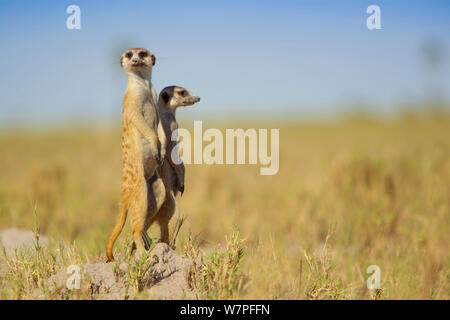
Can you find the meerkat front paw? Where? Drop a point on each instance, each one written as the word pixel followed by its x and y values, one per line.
pixel 156 155
pixel 181 189
pixel 163 154
pixel 161 159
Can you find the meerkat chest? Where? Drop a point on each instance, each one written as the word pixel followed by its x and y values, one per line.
pixel 173 125
pixel 151 118
pixel 173 130
pixel 170 125
pixel 150 115
pixel 149 108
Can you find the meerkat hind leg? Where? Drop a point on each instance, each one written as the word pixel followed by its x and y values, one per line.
pixel 147 244
pixel 157 193
pixel 156 197
pixel 138 213
pixel 164 216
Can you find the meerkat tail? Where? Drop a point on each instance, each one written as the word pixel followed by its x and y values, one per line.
pixel 122 216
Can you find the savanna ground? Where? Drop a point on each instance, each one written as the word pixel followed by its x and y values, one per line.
pixel 350 193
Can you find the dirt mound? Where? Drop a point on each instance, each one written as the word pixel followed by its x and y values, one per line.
pixel 14 238
pixel 170 277
pixel 99 281
pixel 164 278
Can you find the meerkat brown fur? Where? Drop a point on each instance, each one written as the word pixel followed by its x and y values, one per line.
pixel 143 148
pixel 172 172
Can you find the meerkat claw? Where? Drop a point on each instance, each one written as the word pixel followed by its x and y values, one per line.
pixel 181 189
pixel 156 156
pixel 147 241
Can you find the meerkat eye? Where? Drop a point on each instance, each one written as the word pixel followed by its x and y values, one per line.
pixel 183 93
pixel 129 54
pixel 142 54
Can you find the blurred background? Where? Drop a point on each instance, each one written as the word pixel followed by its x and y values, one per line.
pixel 284 60
pixel 364 133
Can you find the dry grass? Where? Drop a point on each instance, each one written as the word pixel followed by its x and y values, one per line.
pixel 382 185
pixel 217 275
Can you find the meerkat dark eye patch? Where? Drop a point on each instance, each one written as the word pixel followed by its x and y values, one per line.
pixel 129 54
pixel 182 93
pixel 165 97
pixel 143 54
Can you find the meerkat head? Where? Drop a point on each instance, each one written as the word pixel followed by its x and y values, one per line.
pixel 137 60
pixel 175 96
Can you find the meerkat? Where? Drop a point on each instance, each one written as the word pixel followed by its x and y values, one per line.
pixel 144 148
pixel 172 174
pixel 169 100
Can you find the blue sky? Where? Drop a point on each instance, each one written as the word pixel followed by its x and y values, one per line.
pixel 240 57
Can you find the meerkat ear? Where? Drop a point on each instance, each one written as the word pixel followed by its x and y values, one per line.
pixel 153 59
pixel 165 97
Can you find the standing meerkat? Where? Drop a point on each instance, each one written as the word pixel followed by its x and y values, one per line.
pixel 143 148
pixel 170 98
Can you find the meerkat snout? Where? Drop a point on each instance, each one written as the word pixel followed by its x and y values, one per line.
pixel 135 61
pixel 190 100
